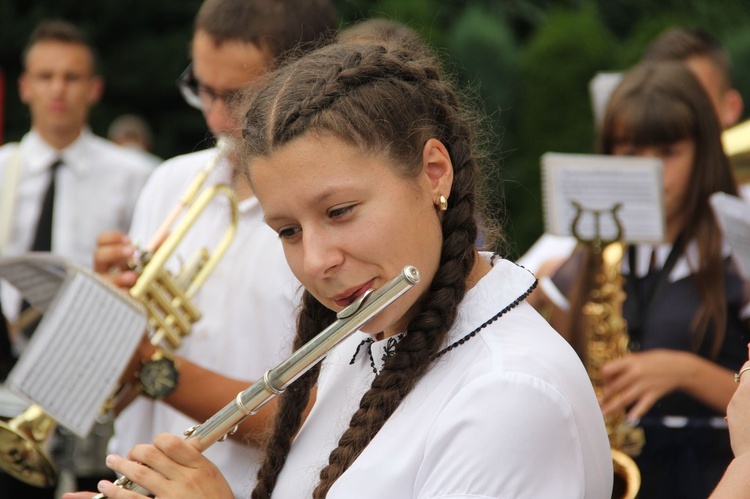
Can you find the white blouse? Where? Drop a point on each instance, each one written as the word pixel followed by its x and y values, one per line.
pixel 508 413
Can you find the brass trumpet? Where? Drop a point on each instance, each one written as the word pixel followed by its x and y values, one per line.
pixel 276 380
pixel 736 143
pixel 24 440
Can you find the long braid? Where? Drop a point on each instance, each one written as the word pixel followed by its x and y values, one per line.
pixel 401 372
pixel 426 332
pixel 381 100
pixel 312 319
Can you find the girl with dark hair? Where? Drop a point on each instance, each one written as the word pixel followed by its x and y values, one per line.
pixel 364 162
pixel 685 299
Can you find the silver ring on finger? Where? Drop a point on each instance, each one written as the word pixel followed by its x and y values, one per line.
pixel 738 375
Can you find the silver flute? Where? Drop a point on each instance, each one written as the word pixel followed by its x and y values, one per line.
pixel 276 380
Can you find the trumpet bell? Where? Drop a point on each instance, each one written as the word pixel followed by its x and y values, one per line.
pixel 736 142
pixel 22 451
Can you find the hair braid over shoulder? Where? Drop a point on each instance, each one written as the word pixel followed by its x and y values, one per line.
pixel 312 319
pixel 425 335
pixel 378 99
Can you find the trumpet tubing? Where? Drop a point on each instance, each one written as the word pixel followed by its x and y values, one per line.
pixel 736 143
pixel 167 299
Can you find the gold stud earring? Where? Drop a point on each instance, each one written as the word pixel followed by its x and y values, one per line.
pixel 443 203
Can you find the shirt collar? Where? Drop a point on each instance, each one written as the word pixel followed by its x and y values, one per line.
pixel 506 285
pixel 686 264
pixel 38 155
pixel 222 174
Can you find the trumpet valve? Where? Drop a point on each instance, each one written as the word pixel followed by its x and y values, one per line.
pixel 191 269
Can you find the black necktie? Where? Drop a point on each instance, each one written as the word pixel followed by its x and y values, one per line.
pixel 43 236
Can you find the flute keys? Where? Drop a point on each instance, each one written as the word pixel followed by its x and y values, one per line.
pixel 228 434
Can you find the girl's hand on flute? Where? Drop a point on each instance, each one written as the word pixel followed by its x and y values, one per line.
pixel 170 468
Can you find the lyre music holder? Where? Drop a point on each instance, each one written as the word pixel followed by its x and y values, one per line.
pixel 596 242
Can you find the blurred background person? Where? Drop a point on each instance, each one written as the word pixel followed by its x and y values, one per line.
pixel 709 62
pixel 686 304
pixel 61 186
pixel 132 131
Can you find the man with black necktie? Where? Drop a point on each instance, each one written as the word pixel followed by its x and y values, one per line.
pixel 61 185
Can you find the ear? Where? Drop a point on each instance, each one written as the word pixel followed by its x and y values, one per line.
pixel 96 90
pixel 438 168
pixel 732 108
pixel 24 90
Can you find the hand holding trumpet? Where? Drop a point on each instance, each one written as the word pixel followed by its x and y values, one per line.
pixel 112 257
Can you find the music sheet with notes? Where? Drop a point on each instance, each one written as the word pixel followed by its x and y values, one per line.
pixel 733 214
pixel 588 190
pixel 82 344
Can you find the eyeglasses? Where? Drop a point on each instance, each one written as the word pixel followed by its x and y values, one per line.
pixel 202 97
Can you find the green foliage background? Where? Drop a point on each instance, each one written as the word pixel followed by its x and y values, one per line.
pixel 527 62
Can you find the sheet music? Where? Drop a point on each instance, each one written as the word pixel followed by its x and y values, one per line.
pixel 37 278
pixel 81 346
pixel 599 183
pixel 733 214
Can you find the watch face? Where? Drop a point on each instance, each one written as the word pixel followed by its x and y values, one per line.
pixel 158 378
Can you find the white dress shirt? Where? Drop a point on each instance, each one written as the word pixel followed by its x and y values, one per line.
pixel 509 413
pixel 247 304
pixel 96 189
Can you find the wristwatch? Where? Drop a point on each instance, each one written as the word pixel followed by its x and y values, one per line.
pixel 158 376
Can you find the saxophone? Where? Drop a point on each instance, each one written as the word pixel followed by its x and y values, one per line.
pixel 606 338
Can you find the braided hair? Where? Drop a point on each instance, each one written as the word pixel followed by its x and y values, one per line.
pixel 376 98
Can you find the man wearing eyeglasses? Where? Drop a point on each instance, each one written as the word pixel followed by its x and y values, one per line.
pixel 248 302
